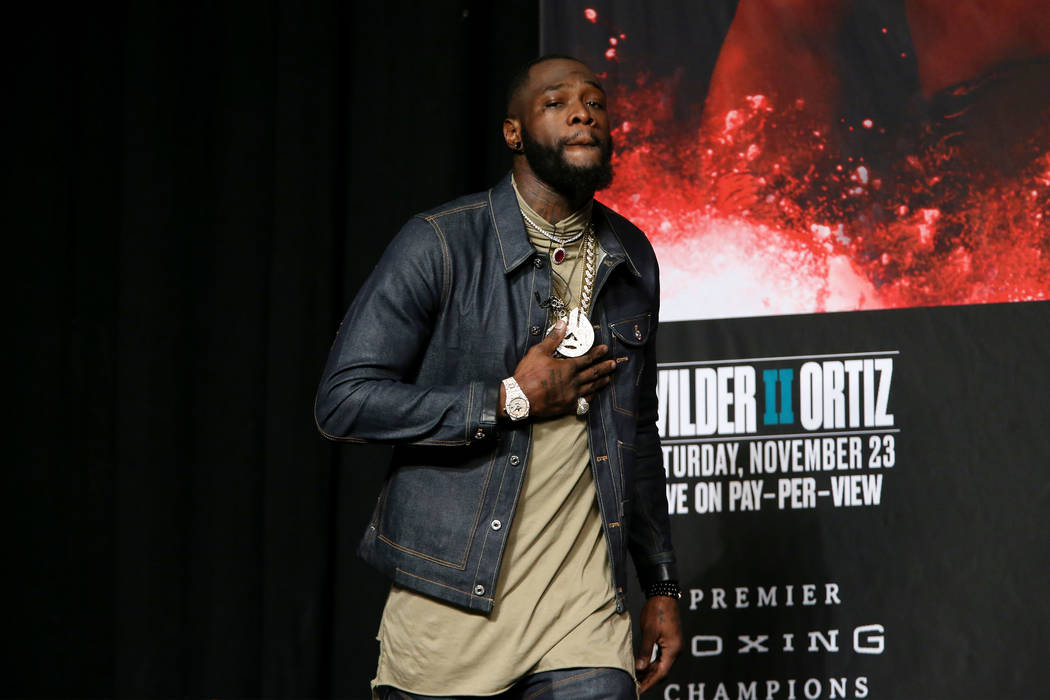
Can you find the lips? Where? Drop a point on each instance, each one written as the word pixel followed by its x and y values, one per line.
pixel 582 140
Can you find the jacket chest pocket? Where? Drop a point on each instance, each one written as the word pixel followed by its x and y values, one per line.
pixel 629 338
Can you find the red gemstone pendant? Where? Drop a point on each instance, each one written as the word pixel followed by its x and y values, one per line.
pixel 558 256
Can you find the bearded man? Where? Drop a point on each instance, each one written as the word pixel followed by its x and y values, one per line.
pixel 505 345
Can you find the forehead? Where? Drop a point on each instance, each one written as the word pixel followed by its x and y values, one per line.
pixel 560 73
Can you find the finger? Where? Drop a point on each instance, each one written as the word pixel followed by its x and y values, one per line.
pixel 645 677
pixel 602 369
pixel 589 389
pixel 645 653
pixel 669 648
pixel 597 353
pixel 591 356
pixel 657 670
pixel 645 681
pixel 594 373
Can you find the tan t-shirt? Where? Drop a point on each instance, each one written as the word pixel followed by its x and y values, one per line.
pixel 555 606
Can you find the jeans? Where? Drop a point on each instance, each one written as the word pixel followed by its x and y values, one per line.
pixel 567 684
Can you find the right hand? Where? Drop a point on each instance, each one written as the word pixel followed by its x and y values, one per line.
pixel 553 384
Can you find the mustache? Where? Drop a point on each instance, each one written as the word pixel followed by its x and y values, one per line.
pixel 581 139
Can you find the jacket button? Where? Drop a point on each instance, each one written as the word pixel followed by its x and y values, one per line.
pixel 514 460
pixel 535 330
pixel 480 590
pixel 537 262
pixel 479 435
pixel 496 524
pixel 619 604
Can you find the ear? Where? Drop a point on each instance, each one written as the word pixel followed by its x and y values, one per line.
pixel 512 134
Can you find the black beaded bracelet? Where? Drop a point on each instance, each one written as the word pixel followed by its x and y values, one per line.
pixel 667 588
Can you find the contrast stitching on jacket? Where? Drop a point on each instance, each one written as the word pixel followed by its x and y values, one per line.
pixel 514 505
pixel 612 228
pixel 637 350
pixel 488 531
pixel 616 405
pixel 470 413
pixel 499 234
pixel 532 298
pixel 620 444
pixel 446 262
pixel 337 438
pixel 373 524
pixel 597 483
pixel 614 327
pixel 421 555
pixel 438 583
pixel 454 210
pixel 462 564
pixel 477 511
pixel 508 265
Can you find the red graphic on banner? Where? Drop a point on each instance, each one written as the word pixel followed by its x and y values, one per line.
pixel 764 214
pixel 838 235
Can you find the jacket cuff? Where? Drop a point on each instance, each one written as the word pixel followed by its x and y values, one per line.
pixel 656 573
pixel 485 411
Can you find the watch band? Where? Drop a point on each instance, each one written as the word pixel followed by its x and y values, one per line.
pixel 517 403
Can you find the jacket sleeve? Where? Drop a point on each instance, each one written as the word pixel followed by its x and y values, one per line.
pixel 367 391
pixel 650 529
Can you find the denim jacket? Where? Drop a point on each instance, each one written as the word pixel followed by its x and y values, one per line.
pixel 448 312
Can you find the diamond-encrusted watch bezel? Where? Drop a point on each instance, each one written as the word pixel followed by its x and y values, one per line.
pixel 518 408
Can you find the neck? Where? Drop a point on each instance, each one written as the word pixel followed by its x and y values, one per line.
pixel 552 205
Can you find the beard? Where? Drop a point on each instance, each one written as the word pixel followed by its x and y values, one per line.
pixel 549 164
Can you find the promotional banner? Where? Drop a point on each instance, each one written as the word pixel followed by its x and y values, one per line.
pixel 849 203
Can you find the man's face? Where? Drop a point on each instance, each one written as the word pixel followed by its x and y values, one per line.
pixel 565 127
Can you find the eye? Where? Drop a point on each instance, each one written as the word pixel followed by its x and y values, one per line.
pixel 553 103
pixel 597 104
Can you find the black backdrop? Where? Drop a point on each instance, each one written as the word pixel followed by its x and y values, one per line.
pixel 193 194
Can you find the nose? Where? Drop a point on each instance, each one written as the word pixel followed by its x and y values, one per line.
pixel 580 114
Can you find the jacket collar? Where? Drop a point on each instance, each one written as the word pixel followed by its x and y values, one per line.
pixel 514 241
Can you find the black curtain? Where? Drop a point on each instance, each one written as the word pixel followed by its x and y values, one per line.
pixel 193 194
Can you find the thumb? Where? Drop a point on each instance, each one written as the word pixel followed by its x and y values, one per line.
pixel 554 338
pixel 645 653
